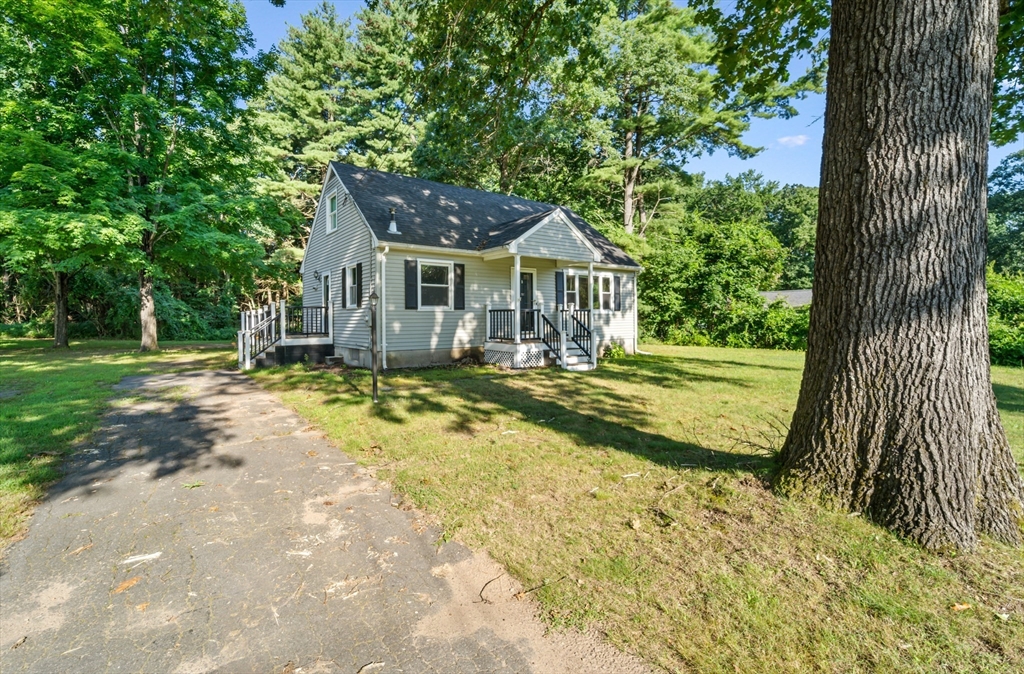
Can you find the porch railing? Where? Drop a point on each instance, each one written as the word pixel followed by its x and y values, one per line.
pixel 277 323
pixel 581 315
pixel 529 323
pixel 306 321
pixel 502 324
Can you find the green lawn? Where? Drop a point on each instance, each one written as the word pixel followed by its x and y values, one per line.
pixel 635 495
pixel 50 400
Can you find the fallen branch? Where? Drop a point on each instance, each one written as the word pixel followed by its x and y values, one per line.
pixel 484 599
pixel 522 594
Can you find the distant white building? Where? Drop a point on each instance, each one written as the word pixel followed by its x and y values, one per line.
pixel 794 298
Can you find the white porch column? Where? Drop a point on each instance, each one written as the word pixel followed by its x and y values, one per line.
pixel 515 300
pixel 487 321
pixel 284 321
pixel 274 328
pixel 593 325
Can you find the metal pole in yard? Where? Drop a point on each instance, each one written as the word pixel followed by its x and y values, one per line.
pixel 374 298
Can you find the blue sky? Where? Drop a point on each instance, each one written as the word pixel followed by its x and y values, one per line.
pixel 792 147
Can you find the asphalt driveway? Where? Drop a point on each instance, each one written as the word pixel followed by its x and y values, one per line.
pixel 206 528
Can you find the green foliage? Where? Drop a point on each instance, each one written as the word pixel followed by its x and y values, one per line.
pixel 1008 98
pixel 1006 214
pixel 126 141
pixel 486 82
pixel 1006 317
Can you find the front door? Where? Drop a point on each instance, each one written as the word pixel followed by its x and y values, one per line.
pixel 526 302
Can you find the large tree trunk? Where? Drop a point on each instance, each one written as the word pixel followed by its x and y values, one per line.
pixel 60 310
pixel 896 416
pixel 147 306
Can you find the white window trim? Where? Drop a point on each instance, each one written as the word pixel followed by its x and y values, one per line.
pixel 611 291
pixel 333 195
pixel 580 273
pixel 419 283
pixel 351 287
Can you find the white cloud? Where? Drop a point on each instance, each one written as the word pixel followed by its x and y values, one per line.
pixel 793 141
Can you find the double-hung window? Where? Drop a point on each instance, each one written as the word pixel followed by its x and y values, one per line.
pixel 435 284
pixel 577 291
pixel 603 292
pixel 332 213
pixel 352 286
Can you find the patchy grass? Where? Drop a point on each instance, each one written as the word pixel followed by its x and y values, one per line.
pixel 51 400
pixel 634 496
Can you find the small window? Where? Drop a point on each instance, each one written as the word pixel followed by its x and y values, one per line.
pixel 353 286
pixel 603 292
pixel 435 284
pixel 571 293
pixel 332 213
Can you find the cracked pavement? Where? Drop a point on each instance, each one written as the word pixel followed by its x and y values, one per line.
pixel 206 528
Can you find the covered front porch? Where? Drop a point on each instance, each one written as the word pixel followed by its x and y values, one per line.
pixel 536 328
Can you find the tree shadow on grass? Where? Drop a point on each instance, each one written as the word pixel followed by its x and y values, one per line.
pixel 581 407
pixel 1009 398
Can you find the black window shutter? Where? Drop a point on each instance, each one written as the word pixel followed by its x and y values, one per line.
pixel 460 286
pixel 344 287
pixel 618 293
pixel 359 284
pixel 560 288
pixel 411 300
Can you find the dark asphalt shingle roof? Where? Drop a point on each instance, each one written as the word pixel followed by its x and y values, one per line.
pixel 434 214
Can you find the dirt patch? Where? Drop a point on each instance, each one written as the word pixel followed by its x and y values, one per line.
pixel 484 597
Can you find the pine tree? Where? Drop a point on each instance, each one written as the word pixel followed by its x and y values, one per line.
pixel 384 126
pixel 303 108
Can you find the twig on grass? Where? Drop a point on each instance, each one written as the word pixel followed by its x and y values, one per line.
pixel 520 595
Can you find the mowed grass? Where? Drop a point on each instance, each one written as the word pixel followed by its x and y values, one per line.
pixel 51 400
pixel 633 498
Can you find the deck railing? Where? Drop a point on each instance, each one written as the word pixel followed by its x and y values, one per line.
pixel 276 323
pixel 306 321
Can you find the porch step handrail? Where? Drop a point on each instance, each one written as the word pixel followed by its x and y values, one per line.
pixel 550 335
pixel 581 336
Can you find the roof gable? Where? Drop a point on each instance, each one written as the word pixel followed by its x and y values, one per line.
pixel 428 213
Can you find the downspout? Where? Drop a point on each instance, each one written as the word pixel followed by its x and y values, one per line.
pixel 383 309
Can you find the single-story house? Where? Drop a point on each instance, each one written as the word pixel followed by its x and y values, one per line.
pixel 461 273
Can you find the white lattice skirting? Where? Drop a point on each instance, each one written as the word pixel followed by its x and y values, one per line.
pixel 529 356
pixel 532 359
pixel 505 358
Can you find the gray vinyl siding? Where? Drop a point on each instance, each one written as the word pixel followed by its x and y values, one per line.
pixel 555 240
pixel 329 253
pixel 617 326
pixel 486 281
pixel 443 329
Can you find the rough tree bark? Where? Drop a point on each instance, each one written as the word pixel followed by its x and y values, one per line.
pixel 896 417
pixel 60 310
pixel 147 306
